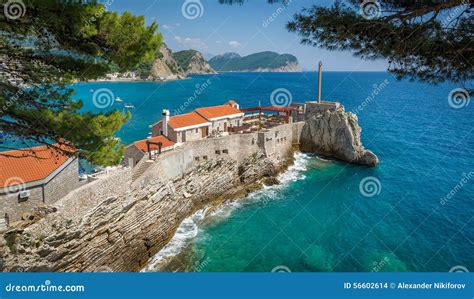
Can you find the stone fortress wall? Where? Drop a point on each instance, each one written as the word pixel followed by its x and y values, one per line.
pixel 275 143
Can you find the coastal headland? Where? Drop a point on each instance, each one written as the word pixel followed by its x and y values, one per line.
pixel 120 221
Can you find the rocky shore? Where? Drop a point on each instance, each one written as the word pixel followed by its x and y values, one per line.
pixel 335 134
pixel 121 233
pixel 119 224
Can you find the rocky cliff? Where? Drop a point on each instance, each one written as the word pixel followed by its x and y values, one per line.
pixel 334 133
pixel 165 66
pixel 121 232
pixel 193 62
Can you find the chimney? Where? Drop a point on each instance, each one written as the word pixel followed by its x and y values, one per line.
pixel 166 119
pixel 320 78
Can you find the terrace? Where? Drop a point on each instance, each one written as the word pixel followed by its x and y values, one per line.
pixel 262 118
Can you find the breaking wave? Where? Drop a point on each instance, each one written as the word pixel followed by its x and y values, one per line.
pixel 189 228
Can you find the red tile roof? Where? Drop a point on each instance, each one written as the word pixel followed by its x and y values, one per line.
pixel 186 120
pixel 217 111
pixel 141 144
pixel 29 165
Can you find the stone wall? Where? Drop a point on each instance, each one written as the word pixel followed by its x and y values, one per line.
pixel 15 207
pixel 134 153
pixel 191 135
pixel 54 188
pixel 297 128
pixel 64 182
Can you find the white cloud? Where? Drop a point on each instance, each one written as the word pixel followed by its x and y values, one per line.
pixel 166 26
pixel 218 42
pixel 193 43
pixel 234 44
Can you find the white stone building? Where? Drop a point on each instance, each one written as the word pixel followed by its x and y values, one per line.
pixel 201 123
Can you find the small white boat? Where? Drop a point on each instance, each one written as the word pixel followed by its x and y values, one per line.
pixel 118 100
pixel 129 106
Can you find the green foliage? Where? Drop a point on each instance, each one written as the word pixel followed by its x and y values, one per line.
pixel 183 58
pixel 233 62
pixel 54 44
pixel 430 41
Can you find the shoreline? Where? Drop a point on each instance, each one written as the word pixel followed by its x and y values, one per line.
pixel 178 248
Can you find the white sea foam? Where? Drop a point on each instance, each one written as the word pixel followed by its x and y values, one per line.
pixel 187 231
pixel 189 228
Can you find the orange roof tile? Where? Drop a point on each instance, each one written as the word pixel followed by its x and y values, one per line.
pixel 186 120
pixel 217 111
pixel 30 164
pixel 141 144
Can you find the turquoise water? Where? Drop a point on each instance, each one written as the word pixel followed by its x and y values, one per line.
pixel 318 220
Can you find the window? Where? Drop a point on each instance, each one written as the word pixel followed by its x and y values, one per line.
pixel 204 157
pixel 197 131
pixel 225 151
pixel 218 152
pixel 196 159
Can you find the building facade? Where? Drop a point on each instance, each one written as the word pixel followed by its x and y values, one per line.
pixel 137 150
pixel 199 124
pixel 34 177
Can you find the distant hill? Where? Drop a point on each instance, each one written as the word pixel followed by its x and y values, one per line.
pixel 193 62
pixel 258 62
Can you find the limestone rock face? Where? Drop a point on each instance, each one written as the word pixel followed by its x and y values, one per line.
pixel 336 134
pixel 165 66
pixel 123 231
pixel 199 65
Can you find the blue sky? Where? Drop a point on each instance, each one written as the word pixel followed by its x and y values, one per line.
pixel 214 28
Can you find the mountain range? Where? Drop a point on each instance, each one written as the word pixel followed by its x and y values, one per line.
pixel 175 66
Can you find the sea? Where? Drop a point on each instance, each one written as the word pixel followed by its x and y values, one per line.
pixel 413 212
